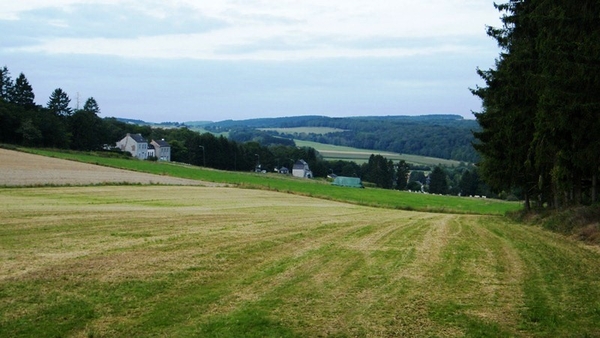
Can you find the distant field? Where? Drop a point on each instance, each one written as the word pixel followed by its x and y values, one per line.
pixel 305 130
pixel 332 152
pixel 166 261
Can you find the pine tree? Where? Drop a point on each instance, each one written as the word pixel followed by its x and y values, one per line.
pixel 59 103
pixel 438 183
pixel 509 105
pixel 6 84
pixel 92 106
pixel 541 102
pixel 402 175
pixel 22 92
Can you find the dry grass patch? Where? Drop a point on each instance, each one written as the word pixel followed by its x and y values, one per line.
pixel 23 169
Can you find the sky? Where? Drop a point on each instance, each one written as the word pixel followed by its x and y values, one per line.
pixel 214 60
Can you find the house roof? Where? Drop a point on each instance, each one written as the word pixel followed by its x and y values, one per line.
pixel 137 138
pixel 162 143
pixel 300 164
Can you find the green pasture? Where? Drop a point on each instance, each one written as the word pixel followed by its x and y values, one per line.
pixel 315 188
pixel 172 261
pixel 333 153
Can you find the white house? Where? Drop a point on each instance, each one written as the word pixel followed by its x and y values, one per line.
pixel 135 144
pixel 301 169
pixel 162 150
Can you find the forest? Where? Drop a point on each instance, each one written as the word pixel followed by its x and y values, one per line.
pixel 540 123
pixel 441 136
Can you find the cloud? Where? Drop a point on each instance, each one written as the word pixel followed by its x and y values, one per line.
pixel 210 60
pixel 248 30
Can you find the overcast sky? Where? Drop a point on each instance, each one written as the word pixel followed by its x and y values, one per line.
pixel 212 60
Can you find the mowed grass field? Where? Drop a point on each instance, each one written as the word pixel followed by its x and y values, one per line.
pixel 274 261
pixel 139 261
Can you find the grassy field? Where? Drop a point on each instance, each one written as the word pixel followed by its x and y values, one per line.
pixel 332 153
pixel 314 188
pixel 141 261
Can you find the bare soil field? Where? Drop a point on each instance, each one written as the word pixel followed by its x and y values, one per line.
pixel 22 169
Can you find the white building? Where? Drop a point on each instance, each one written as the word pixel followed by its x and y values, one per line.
pixel 301 169
pixel 162 150
pixel 134 144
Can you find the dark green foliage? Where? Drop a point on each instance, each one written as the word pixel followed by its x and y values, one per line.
pixel 438 183
pixel 22 92
pixel 246 135
pixel 469 183
pixel 380 171
pixel 402 173
pixel 86 130
pixel 443 136
pixel 30 134
pixel 59 102
pixel 541 102
pixel 92 106
pixel 6 84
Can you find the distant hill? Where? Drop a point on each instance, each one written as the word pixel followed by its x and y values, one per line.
pixel 442 136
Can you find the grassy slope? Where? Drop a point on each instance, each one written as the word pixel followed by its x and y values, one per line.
pixel 221 262
pixel 370 197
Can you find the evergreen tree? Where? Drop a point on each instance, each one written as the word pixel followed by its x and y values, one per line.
pixel 87 129
pixel 438 183
pixel 569 97
pixel 510 105
pixel 22 92
pixel 59 102
pixel 380 171
pixel 6 84
pixel 542 100
pixel 402 175
pixel 91 106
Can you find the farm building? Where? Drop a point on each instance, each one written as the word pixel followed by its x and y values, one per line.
pixel 344 181
pixel 301 169
pixel 138 146
pixel 162 150
pixel 135 144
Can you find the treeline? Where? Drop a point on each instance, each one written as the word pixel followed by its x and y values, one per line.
pixel 541 117
pixel 57 125
pixel 442 136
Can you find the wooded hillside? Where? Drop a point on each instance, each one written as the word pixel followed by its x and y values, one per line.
pixel 442 136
